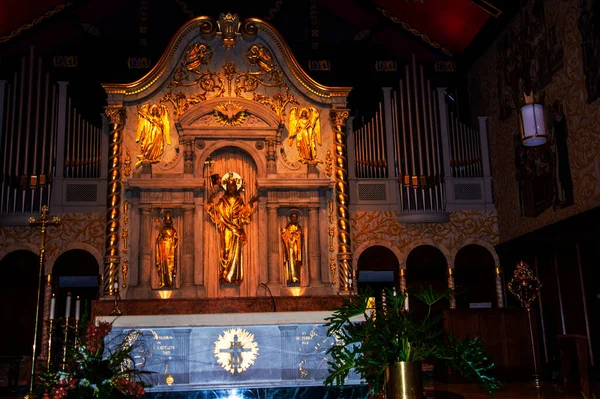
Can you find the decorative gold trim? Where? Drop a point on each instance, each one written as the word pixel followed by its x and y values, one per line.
pixel 206 26
pixel 35 21
pixel 116 119
pixel 127 163
pixel 338 120
pixel 332 268
pixel 414 32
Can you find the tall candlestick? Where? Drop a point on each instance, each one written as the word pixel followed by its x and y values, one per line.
pixel 68 307
pixel 77 308
pixel 52 306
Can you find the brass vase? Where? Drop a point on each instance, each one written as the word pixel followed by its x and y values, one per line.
pixel 404 380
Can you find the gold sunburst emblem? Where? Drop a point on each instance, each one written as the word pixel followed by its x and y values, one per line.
pixel 236 350
pixel 230 114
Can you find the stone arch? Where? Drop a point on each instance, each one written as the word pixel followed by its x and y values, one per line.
pixel 367 244
pixel 78 245
pixel 426 241
pixel 18 247
pixel 259 156
pixel 479 242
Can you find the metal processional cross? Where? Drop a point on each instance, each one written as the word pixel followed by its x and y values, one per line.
pixel 43 222
pixel 235 351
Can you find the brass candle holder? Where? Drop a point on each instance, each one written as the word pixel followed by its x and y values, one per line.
pixel 526 287
pixel 116 311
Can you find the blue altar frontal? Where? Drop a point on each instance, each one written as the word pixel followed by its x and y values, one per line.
pixel 226 351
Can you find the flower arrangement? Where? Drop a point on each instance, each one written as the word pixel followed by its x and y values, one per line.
pixel 95 370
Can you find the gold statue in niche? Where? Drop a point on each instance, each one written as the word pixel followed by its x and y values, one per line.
pixel 305 127
pixel 292 243
pixel 230 215
pixel 166 253
pixel 153 132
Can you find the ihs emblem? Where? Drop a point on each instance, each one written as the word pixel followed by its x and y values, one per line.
pixel 236 350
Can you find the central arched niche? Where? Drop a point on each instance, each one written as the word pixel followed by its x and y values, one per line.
pixel 378 269
pixel 220 162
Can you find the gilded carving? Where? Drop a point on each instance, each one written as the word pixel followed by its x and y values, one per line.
pixel 181 102
pixel 166 260
pixel 332 268
pixel 127 163
pixel 331 238
pixel 229 26
pixel 153 132
pixel 292 237
pixel 328 164
pixel 230 114
pixel 116 119
pixel 338 120
pixel 305 127
pixel 126 207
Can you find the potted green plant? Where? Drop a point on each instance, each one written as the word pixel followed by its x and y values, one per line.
pixel 389 343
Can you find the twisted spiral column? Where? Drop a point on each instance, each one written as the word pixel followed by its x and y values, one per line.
pixel 116 120
pixel 338 120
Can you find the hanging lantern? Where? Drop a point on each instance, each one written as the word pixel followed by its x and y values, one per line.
pixel 533 123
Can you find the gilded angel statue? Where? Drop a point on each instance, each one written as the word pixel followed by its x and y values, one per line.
pixel 153 132
pixel 305 127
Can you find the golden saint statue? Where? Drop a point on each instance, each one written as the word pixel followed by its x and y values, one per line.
pixel 230 215
pixel 292 242
pixel 166 253
pixel 305 127
pixel 153 132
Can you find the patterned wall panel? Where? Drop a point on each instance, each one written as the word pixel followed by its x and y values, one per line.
pixel 488 81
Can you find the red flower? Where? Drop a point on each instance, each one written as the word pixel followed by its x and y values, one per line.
pixel 129 387
pixel 94 335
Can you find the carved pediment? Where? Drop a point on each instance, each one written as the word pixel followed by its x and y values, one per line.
pixel 223 114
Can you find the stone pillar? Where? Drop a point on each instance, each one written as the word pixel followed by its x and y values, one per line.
pixel 145 251
pixel 499 288
pixel 188 158
pixel 314 253
pixel 273 247
pixel 451 286
pixel 271 157
pixel 187 250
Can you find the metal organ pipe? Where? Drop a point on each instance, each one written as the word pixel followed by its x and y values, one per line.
pixel 34 172
pixel 410 136
pixel 438 147
pixel 45 133
pixel 384 160
pixel 425 138
pixel 10 98
pixel 419 131
pixel 432 131
pixel 53 139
